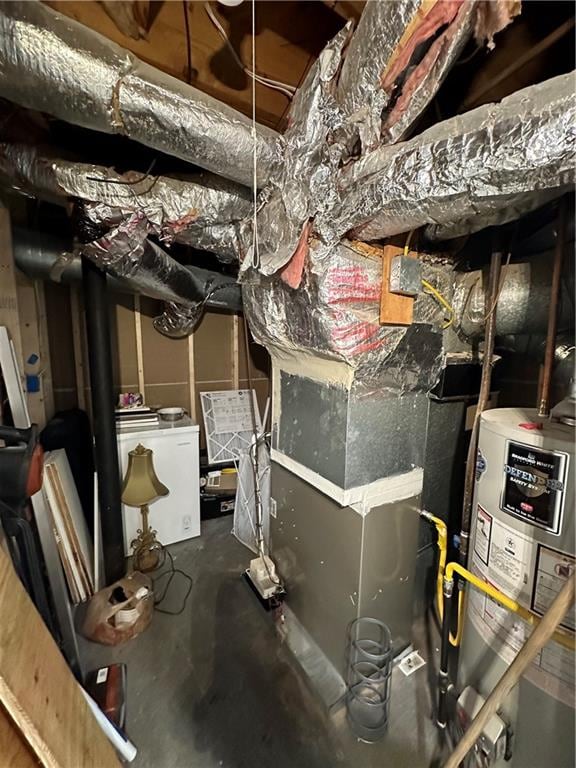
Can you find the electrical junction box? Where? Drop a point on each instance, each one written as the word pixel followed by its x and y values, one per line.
pixel 492 742
pixel 405 275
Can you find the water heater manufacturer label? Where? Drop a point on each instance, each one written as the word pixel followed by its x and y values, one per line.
pixel 552 569
pixel 534 484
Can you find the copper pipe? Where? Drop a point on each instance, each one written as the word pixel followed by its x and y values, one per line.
pixel 490 302
pixel 544 400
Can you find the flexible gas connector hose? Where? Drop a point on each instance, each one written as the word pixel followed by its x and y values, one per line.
pixel 560 637
pixel 442 542
pixel 446 572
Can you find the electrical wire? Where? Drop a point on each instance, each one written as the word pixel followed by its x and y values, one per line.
pixel 429 288
pixel 255 244
pixel 407 243
pixel 277 85
pixel 125 182
pixel 170 573
pixel 188 42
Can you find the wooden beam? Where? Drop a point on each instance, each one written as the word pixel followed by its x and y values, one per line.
pixel 476 97
pixel 139 347
pixel 130 16
pixel 235 351
pixel 347 9
pixel 395 309
pixel 192 378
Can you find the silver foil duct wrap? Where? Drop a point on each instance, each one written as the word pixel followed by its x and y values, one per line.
pixel 322 134
pixel 203 211
pixel 335 315
pixel 360 93
pixel 304 182
pixel 523 299
pixel 465 173
pixel 423 82
pixel 149 270
pixel 178 321
pixel 53 64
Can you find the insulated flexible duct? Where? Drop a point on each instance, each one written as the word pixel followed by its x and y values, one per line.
pixel 488 166
pixel 51 63
pixel 202 211
pixel 45 257
pixel 522 302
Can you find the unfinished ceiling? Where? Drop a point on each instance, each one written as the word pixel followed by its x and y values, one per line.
pixel 289 37
pixel 379 139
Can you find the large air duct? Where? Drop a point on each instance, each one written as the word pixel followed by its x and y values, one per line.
pixel 202 211
pixel 51 63
pixel 523 300
pixel 488 166
pixel 158 275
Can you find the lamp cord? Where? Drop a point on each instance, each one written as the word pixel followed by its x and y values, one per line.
pixel 170 573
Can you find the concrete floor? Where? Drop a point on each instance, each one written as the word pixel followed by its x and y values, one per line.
pixel 217 687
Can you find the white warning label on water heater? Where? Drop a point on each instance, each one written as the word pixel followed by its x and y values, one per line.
pixel 532 574
pixel 505 560
pixel 483 534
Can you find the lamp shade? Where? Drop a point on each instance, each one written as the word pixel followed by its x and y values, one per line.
pixel 141 486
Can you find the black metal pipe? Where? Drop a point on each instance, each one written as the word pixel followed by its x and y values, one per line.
pixel 443 676
pixel 100 358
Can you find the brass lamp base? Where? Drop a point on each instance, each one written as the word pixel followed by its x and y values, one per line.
pixel 146 554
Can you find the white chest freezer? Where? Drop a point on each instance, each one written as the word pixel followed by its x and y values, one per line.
pixel 176 460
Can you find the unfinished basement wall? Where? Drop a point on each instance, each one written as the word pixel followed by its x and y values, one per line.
pixel 169 372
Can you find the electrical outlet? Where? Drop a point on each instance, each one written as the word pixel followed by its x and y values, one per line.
pixel 273 508
pixel 187 523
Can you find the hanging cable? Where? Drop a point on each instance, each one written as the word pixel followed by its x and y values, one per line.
pixel 429 288
pixel 255 245
pixel 277 85
pixel 188 42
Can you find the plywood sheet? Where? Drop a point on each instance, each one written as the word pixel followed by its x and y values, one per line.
pixel 13 748
pixel 395 309
pixel 38 690
pixel 124 343
pixel 59 317
pixel 259 357
pixel 165 360
pixel 213 348
pixel 167 395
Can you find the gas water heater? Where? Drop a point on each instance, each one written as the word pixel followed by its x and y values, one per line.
pixel 522 542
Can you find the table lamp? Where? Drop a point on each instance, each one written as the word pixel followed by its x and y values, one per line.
pixel 142 487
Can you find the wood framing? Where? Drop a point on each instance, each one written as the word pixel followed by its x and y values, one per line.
pixel 139 346
pixel 395 309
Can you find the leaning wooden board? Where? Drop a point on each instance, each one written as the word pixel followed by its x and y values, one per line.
pixel 14 751
pixel 37 689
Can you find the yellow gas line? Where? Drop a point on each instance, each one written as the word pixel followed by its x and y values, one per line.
pixel 559 637
pixel 446 573
pixel 443 549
